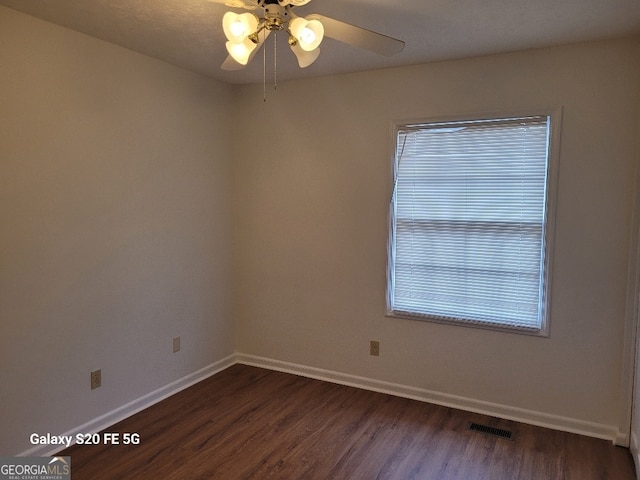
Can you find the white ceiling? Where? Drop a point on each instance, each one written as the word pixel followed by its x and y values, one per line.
pixel 188 33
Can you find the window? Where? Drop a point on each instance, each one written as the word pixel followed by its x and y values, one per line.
pixel 471 222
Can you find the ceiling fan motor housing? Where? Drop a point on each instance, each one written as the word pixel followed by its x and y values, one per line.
pixel 275 17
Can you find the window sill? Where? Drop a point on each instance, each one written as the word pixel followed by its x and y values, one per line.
pixel 536 332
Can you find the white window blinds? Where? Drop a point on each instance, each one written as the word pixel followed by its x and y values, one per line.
pixel 468 222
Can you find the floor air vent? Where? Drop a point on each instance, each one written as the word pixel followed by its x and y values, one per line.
pixel 496 432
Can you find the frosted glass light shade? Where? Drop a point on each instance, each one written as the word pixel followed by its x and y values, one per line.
pixel 241 52
pixel 305 58
pixel 309 33
pixel 237 26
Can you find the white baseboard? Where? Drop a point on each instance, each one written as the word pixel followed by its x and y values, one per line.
pixel 104 421
pixel 532 417
pixel 556 422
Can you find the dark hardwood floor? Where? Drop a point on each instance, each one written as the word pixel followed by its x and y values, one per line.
pixel 251 423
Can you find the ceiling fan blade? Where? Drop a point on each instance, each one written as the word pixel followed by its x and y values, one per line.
pixel 358 37
pixel 230 64
pixel 246 4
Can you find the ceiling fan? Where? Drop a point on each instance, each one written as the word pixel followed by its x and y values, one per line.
pixel 246 32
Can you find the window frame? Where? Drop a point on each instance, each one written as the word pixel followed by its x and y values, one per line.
pixel 549 218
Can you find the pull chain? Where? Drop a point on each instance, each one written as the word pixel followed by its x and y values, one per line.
pixel 264 67
pixel 275 63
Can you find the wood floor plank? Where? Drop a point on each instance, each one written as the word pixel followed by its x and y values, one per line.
pixel 247 423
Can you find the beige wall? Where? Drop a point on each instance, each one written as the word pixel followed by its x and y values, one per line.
pixel 312 189
pixel 115 226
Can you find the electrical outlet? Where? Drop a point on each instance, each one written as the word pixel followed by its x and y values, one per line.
pixel 374 348
pixel 176 344
pixel 96 379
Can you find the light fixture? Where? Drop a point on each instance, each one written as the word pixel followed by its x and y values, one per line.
pixel 309 33
pixel 243 32
pixel 241 52
pixel 304 57
pixel 237 27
